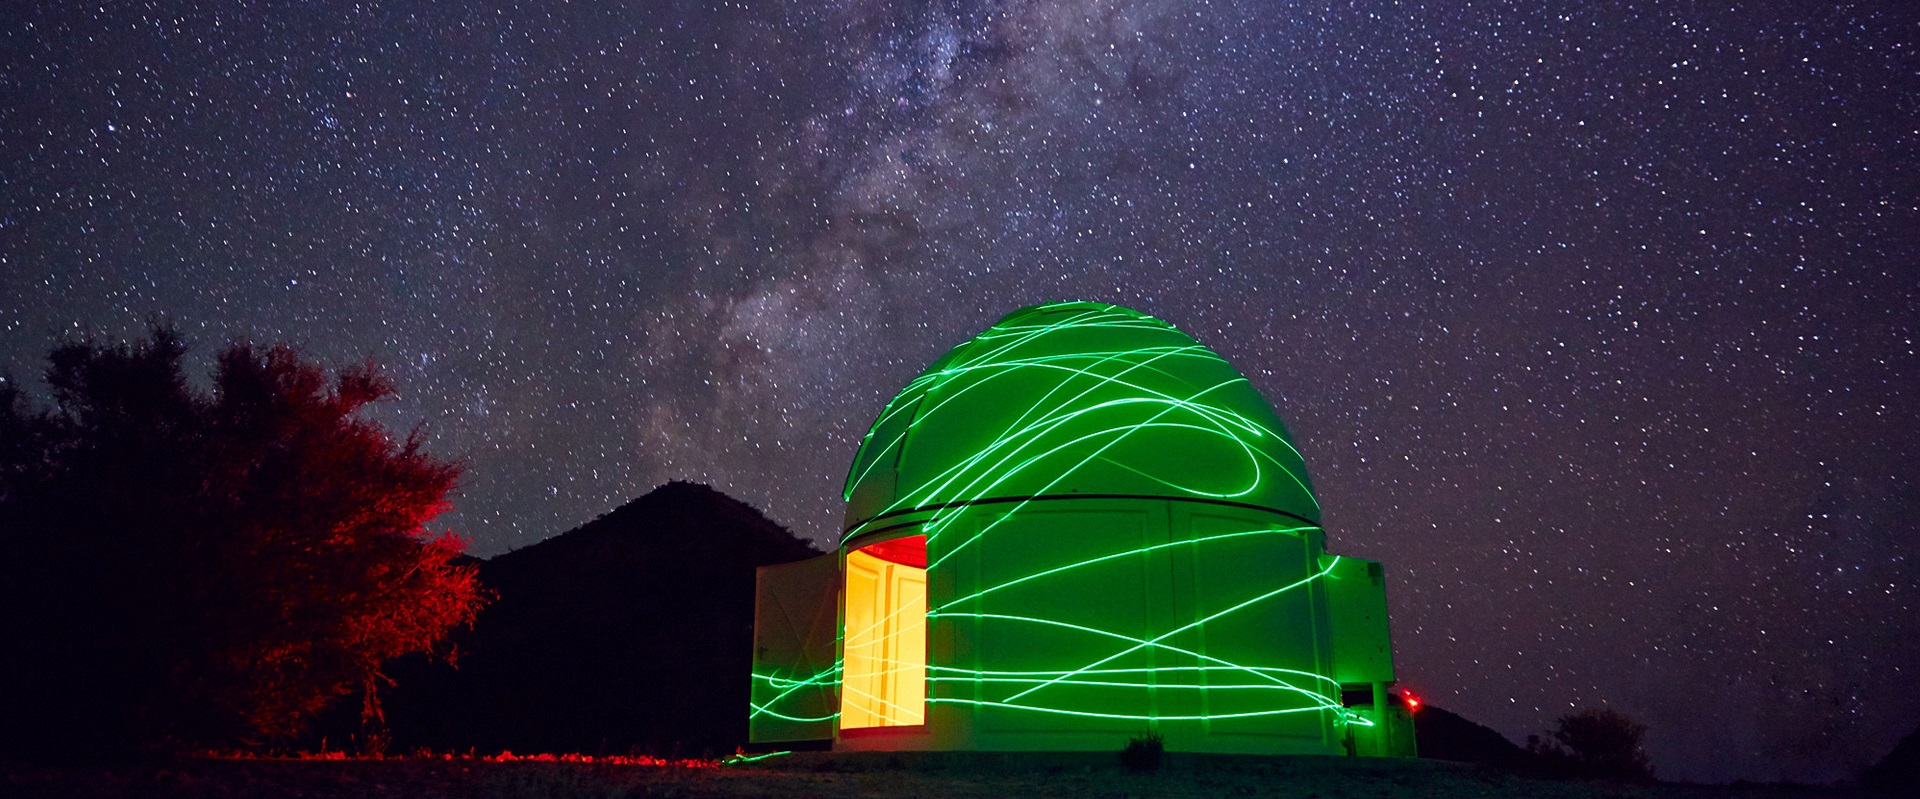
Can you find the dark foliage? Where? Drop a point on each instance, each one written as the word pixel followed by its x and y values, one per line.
pixel 1898 772
pixel 186 570
pixel 1143 753
pixel 632 633
pixel 1594 743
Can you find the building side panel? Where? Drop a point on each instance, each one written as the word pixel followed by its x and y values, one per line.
pixel 1063 626
pixel 1259 666
pixel 1357 609
pixel 795 673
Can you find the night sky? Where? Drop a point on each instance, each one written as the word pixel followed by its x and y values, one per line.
pixel 1595 322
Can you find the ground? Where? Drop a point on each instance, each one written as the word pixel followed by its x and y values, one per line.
pixel 820 774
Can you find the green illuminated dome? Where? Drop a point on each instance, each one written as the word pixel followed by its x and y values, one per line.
pixel 1076 400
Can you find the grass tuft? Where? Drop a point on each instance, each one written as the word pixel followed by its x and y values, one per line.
pixel 1143 752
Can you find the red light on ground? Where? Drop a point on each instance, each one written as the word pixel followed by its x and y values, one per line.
pixel 503 757
pixel 1413 702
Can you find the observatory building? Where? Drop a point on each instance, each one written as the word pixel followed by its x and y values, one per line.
pixel 1078 527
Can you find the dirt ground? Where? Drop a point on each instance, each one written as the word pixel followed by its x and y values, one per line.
pixel 819 774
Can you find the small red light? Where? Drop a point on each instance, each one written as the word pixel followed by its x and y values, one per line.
pixel 1413 702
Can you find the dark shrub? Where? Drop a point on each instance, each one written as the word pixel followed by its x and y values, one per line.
pixel 1143 753
pixel 1595 743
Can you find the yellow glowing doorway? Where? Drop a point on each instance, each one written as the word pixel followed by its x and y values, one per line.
pixel 885 647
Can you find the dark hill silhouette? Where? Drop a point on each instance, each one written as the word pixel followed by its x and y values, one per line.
pixel 1899 771
pixel 630 633
pixel 1442 735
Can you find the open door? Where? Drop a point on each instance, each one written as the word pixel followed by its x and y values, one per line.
pixel 796 676
pixel 885 650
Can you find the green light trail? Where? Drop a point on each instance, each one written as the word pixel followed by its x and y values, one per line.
pixel 1117 527
pixel 1127 553
pixel 1183 628
pixel 738 759
pixel 1127 716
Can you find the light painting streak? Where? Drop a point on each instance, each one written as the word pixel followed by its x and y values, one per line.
pixel 1090 415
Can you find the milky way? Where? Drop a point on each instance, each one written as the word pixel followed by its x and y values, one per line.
pixel 1595 323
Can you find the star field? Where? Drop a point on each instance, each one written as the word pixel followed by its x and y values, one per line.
pixel 1595 322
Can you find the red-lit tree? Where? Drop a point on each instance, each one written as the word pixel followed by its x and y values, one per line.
pixel 185 570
